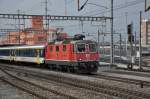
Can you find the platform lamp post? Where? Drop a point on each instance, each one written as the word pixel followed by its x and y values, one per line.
pixel 19 26
pixel 120 45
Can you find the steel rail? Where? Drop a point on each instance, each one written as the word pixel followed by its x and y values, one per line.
pixel 47 90
pixel 140 74
pixel 98 87
pixel 125 80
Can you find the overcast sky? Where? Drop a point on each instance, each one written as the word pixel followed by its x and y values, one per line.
pixel 125 12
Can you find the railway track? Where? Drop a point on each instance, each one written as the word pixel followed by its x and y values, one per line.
pixel 34 89
pixel 94 86
pixel 141 74
pixel 141 83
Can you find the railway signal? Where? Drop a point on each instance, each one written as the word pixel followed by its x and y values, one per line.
pixel 130 35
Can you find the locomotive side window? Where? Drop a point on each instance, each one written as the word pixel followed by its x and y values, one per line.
pixel 57 48
pixel 64 48
pixel 51 48
pixel 92 47
pixel 81 47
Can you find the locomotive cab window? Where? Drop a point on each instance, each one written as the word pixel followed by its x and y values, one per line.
pixel 81 47
pixel 93 47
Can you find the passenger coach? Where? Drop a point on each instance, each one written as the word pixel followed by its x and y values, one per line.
pixel 32 54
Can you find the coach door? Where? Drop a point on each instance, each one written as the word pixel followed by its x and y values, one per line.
pixel 37 55
pixel 11 55
pixel 14 54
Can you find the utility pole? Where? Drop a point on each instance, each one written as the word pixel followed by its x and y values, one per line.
pixel 120 45
pixel 82 26
pixel 78 4
pixel 98 40
pixel 65 7
pixel 126 14
pixel 112 41
pixel 131 45
pixel 24 23
pixel 46 21
pixel 103 34
pixel 9 37
pixel 19 25
pixel 140 50
pixel 135 42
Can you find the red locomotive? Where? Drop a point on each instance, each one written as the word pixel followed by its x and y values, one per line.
pixel 73 55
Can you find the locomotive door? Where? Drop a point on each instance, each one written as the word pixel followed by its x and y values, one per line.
pixel 14 54
pixel 11 55
pixel 64 53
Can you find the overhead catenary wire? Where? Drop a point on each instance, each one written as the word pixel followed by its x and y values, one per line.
pixel 117 7
pixel 122 6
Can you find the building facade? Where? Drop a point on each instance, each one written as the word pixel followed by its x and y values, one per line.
pixel 34 35
pixel 144 33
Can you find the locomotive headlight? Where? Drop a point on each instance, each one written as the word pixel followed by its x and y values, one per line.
pixel 80 59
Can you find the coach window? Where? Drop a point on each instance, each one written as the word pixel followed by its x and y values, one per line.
pixel 64 48
pixel 57 48
pixel 30 53
pixel 51 48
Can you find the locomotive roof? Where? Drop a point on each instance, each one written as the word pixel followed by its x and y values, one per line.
pixel 23 47
pixel 85 41
pixel 72 42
